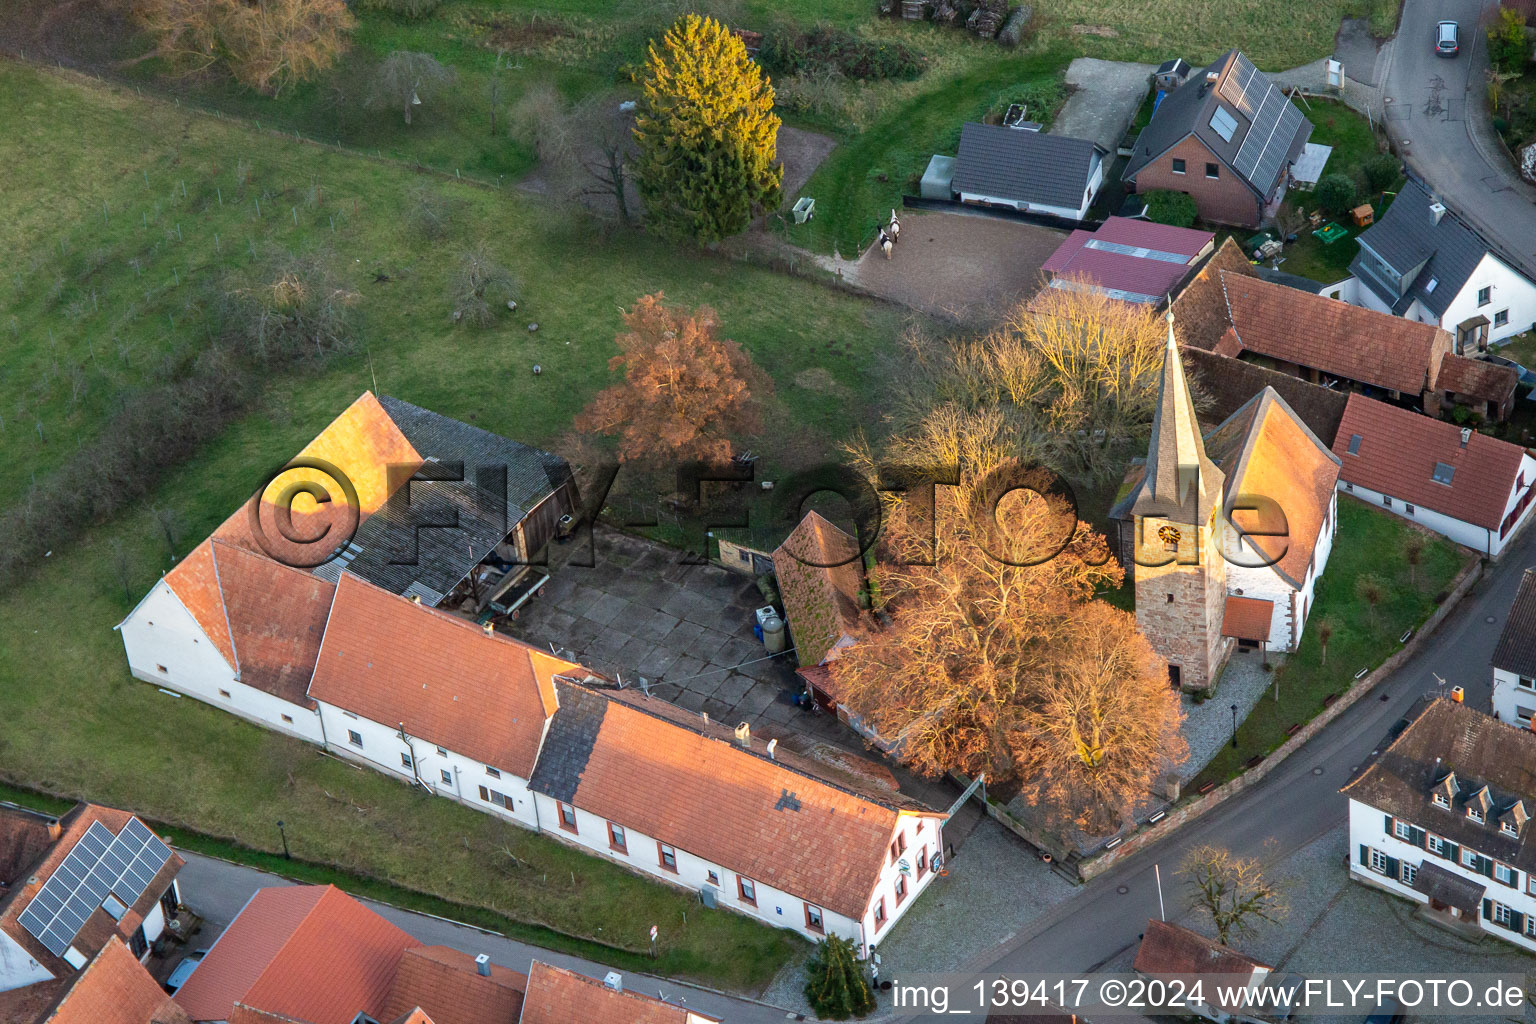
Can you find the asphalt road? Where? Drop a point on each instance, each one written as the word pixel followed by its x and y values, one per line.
pixel 217 891
pixel 1436 113
pixel 1295 804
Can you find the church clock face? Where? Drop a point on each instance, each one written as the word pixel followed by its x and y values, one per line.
pixel 1169 535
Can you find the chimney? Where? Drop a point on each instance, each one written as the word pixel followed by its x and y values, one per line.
pixel 772 746
pixel 490 630
pixel 483 965
pixel 1466 435
pixel 1211 76
pixel 55 829
pixel 614 980
pixel 1436 211
pixel 744 735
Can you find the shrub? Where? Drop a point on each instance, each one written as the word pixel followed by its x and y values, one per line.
pixel 1507 48
pixel 788 52
pixel 1175 208
pixel 1041 99
pixel 1381 172
pixel 835 983
pixel 401 8
pixel 1337 193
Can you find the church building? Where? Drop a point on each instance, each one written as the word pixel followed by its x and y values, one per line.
pixel 1224 532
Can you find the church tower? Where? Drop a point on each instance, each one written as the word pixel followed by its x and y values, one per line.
pixel 1181 575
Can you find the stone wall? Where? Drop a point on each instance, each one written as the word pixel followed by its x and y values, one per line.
pixel 1197 806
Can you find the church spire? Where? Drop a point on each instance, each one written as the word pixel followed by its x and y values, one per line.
pixel 1181 484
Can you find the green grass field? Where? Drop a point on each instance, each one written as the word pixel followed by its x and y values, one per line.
pixel 1368 541
pixel 75 722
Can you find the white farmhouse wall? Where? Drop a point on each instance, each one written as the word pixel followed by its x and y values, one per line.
pixel 1368 827
pixel 1513 701
pixel 1265 584
pixel 382 747
pixel 921 834
pixel 1510 292
pixel 153 925
pixel 166 646
pixel 17 968
pixel 1475 537
pixel 1091 188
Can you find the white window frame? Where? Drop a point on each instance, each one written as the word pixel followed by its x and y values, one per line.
pixel 1508 828
pixel 1434 844
pixel 1500 914
pixel 1408 872
pixel 1468 858
pixel 1475 814
pixel 1377 861
pixel 1503 873
pixel 1525 682
pixel 355 738
pixel 444 774
pixel 1441 801
pixel 1402 829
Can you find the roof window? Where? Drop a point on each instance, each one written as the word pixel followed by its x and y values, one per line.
pixel 1223 123
pixel 1443 473
pixel 1354 444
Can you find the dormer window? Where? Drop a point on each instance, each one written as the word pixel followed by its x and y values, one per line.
pixel 1509 828
pixel 1441 801
pixel 1475 814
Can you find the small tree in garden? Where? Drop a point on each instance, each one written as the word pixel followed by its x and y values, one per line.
pixel 478 282
pixel 1413 554
pixel 707 134
pixel 406 79
pixel 1337 193
pixel 1233 891
pixel 835 983
pixel 1176 208
pixel 1381 171
pixel 1508 49
pixel 1370 590
pixel 686 392
pixel 1324 634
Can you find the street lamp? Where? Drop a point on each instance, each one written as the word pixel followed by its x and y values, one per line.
pixel 286 854
pixel 1234 726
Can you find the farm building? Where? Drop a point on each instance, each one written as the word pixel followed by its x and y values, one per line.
pixel 1029 171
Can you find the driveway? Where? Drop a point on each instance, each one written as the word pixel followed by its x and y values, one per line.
pixel 1436 114
pixel 960 266
pixel 1105 97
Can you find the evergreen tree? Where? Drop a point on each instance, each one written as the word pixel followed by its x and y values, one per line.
pixel 835 983
pixel 707 134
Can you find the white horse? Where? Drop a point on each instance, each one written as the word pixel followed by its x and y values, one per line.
pixel 885 242
pixel 894 227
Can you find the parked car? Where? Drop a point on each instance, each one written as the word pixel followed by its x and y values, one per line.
pixel 1447 39
pixel 1389 1012
pixel 184 970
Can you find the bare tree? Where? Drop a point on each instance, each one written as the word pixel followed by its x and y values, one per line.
pixel 1233 891
pixel 585 149
pixel 407 79
pixel 171 525
pixel 122 567
pixel 1370 590
pixel 478 280
pixel 1413 554
pixel 1324 634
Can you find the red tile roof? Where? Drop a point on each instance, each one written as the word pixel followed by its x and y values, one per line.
pixel 1169 949
pixel 390 661
pixel 1399 449
pixel 1247 618
pixel 114 988
pixel 1200 310
pixel 195 581
pixel 445 984
pixel 1477 378
pixel 1332 336
pixel 311 953
pixel 1138 274
pixel 24 836
pixel 820 574
pixel 558 996
pixel 100 927
pixel 733 807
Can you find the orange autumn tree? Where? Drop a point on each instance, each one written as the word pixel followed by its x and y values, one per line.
pixel 686 392
pixel 989 663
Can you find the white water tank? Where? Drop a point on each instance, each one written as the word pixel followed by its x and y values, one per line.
pixel 773 633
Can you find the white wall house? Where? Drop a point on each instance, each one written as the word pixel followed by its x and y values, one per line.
pixel 1423 262
pixel 1474 489
pixel 1292 603
pixel 1435 819
pixel 1514 658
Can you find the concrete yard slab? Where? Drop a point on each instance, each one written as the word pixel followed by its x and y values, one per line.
pixel 606 608
pixel 1105 97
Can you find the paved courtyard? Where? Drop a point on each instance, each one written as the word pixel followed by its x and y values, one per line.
pixel 1105 97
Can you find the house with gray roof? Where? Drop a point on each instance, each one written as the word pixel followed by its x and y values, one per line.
pixel 1028 170
pixel 1227 137
pixel 1423 261
pixel 1514 658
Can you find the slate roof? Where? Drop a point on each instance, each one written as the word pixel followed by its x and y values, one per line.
pixel 308 952
pixel 1175 451
pixel 1269 131
pixel 389 660
pixel 1516 649
pixel 1266 451
pixel 558 996
pixel 445 984
pixel 1477 378
pixel 1346 341
pixel 737 808
pixel 114 988
pixel 1449 888
pixel 1226 384
pixel 1406 235
pixel 100 927
pixel 1247 618
pixel 1135 260
pixel 1200 310
pixel 820 573
pixel 1480 751
pixel 1399 449
pixel 1032 167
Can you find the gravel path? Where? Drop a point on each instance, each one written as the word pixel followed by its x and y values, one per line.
pixel 1207 726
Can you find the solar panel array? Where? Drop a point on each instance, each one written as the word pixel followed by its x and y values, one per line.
pixel 100 864
pixel 1273 121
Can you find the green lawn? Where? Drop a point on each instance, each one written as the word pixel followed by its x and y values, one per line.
pixel 72 311
pixel 1368 541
